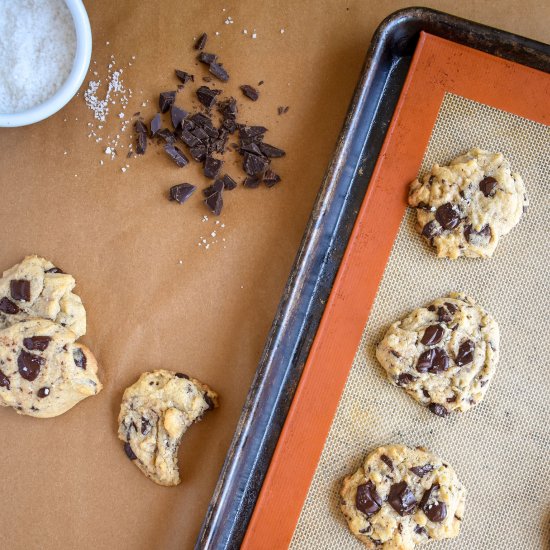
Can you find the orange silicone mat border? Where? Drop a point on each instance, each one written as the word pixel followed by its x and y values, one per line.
pixel 438 66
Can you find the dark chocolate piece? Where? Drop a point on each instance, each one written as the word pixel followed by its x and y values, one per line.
pixel 166 100
pixel 218 71
pixel 79 358
pixel 433 360
pixel 36 343
pixel 271 178
pixel 421 471
pixel 200 134
pixel 250 92
pixel 207 58
pixel 432 335
pixel 198 152
pixel 55 269
pixel 367 499
pixel 387 461
pixel 431 229
pixel 184 77
pixel 177 116
pixel 251 147
pixel 436 511
pixel 176 155
pixel 145 425
pixel 209 401
pixel 405 379
pixel 228 182
pixel 488 186
pixel 29 365
pixel 282 109
pixel 8 307
pixel 252 182
pixel 181 192
pixel 182 375
pixel 448 216
pixel 215 203
pixel 212 167
pixel 254 164
pixel 483 236
pixel 465 353
pixel 141 143
pixel 167 136
pixel 216 187
pixel 438 409
pixel 43 392
pixel 128 450
pixel 201 41
pixel 155 124
pixel 251 131
pixel 401 499
pixel 188 138
pixel 4 381
pixel 20 289
pixel 140 127
pixel 207 96
pixel 271 151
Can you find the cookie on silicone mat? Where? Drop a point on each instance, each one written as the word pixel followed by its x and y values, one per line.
pixel 403 497
pixel 43 371
pixel 36 288
pixel 155 413
pixel 463 209
pixel 443 355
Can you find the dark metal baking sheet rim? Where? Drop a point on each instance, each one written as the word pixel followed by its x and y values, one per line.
pixel 323 246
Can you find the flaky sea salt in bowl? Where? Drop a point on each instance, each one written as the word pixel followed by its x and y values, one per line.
pixel 45 50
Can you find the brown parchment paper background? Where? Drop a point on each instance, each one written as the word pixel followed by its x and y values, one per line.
pixel 66 482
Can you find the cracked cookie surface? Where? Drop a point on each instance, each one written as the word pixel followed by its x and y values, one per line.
pixel 155 413
pixel 444 355
pixel 401 497
pixel 464 208
pixel 36 288
pixel 43 371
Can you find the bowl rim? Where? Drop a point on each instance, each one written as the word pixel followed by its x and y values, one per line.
pixel 71 85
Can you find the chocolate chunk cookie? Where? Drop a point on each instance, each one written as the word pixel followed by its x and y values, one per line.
pixel 43 371
pixel 155 413
pixel 463 209
pixel 444 355
pixel 37 288
pixel 402 497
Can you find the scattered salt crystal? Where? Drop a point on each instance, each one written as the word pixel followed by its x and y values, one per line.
pixel 213 234
pixel 282 31
pixel 254 35
pixel 245 31
pixel 107 43
pixel 108 150
pixel 120 115
pixel 180 262
pixel 123 169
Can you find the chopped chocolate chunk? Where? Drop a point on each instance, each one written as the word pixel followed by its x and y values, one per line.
pixel 479 238
pixel 54 270
pixel 423 206
pixel 7 306
pixel 387 461
pixel 207 96
pixel 432 335
pixel 20 289
pixel 465 353
pixel 251 131
pixel 405 379
pixel 140 127
pixel 230 125
pixel 201 41
pixel 438 409
pixel 4 381
pixel 228 182
pixel 155 124
pixel 216 187
pixel 176 155
pixel 43 392
pixel 451 307
pixel 454 398
pixel 29 365
pixel 228 108
pixel 433 360
pixel 198 152
pixel 200 134
pixel 271 178
pixel 200 119
pixel 212 167
pixel 181 192
pixel 188 138
pixel 436 511
pixel 431 229
pixel 250 147
pixel 401 499
pixel 79 358
pixel 260 83
pixel 128 450
pixel 207 58
pixel 166 99
pixel 252 182
pixel 444 315
pixel 448 216
pixel 166 135
pixel 210 131
pixel 215 203
pixel 367 499
pixel 395 354
pixel 254 164
pixel 421 471
pixel 209 401
pixel 182 375
pixel 271 151
pixel 420 530
pixel 282 109
pixel 145 425
pixel 36 343
pixel 250 92
pixel 431 308
pixel 488 186
pixel 141 143
pixel 184 77
pixel 177 115
pixel 218 71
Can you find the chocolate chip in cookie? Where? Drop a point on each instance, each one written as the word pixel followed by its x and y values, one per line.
pixel 37 343
pixel 20 290
pixel 8 307
pixel 401 499
pixel 367 499
pixel 29 365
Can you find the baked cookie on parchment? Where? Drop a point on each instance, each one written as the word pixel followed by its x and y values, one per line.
pixel 36 288
pixel 463 209
pixel 43 371
pixel 443 355
pixel 155 413
pixel 401 497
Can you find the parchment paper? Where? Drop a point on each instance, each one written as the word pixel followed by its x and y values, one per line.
pixel 66 482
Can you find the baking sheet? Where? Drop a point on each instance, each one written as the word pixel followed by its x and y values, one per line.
pixel 500 448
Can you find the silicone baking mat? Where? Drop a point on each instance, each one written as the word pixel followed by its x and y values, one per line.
pixel 454 99
pixel 500 448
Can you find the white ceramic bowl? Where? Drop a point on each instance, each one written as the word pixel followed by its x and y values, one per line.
pixel 69 88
